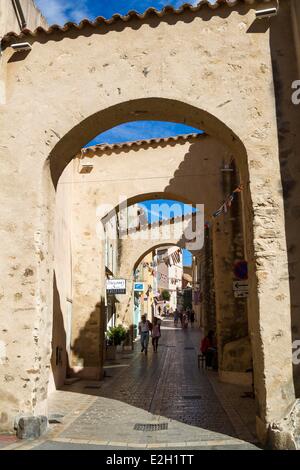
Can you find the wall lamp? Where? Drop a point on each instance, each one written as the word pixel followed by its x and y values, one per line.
pixel 85 167
pixel 266 13
pixel 21 46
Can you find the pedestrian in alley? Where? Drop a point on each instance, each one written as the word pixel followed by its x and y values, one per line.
pixel 176 316
pixel 192 318
pixel 185 321
pixel 145 326
pixel 155 334
pixel 209 350
pixel 188 313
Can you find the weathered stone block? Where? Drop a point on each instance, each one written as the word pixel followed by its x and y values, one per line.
pixel 31 427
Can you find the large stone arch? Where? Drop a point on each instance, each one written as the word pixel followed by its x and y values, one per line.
pixel 217 87
pixel 181 168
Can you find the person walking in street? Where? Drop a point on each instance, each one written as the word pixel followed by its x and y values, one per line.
pixel 176 316
pixel 192 318
pixel 145 326
pixel 185 321
pixel 181 317
pixel 209 350
pixel 188 313
pixel 155 334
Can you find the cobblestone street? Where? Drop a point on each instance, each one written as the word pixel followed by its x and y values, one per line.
pixel 164 390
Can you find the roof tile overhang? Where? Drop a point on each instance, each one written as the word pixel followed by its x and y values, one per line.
pixel 11 37
pixel 100 149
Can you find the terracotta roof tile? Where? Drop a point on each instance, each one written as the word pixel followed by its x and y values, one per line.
pixel 10 37
pixel 183 218
pixel 102 148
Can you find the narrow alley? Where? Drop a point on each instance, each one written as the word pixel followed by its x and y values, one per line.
pixel 156 401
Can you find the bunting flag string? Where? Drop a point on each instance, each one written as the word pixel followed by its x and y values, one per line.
pixel 163 276
pixel 175 257
pixel 226 204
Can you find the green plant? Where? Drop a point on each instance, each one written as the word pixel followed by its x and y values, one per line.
pixel 165 295
pixel 116 334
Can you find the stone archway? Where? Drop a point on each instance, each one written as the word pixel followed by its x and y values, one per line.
pixel 65 64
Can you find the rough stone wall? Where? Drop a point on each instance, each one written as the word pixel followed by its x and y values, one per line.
pixel 209 300
pixel 228 248
pixel 209 69
pixel 285 46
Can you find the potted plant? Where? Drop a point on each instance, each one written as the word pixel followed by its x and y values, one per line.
pixel 115 336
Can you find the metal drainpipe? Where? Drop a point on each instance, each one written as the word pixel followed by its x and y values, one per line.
pixel 19 13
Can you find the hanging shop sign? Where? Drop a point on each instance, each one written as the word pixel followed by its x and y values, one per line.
pixel 116 286
pixel 138 287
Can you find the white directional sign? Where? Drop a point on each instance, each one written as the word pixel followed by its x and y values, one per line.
pixel 240 294
pixel 116 286
pixel 240 286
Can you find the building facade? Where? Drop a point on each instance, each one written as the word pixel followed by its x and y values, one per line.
pixel 169 271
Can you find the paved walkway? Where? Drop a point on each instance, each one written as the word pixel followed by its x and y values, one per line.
pixel 156 401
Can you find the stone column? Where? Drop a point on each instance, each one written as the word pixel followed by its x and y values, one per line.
pixel 269 309
pixel 25 286
pixel 88 317
pixel 208 291
pixel 234 350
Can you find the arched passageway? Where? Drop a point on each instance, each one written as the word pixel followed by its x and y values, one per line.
pixel 60 126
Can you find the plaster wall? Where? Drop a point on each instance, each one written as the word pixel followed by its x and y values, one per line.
pixel 9 20
pixel 224 85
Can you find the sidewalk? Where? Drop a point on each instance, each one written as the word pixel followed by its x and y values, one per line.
pixel 157 401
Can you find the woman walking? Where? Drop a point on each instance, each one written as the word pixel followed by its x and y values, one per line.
pixel 192 318
pixel 155 334
pixel 185 321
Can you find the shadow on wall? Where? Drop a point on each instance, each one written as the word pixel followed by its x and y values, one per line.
pixel 205 159
pixel 285 71
pixel 87 347
pixel 59 359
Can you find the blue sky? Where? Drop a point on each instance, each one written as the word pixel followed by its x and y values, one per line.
pixel 179 209
pixel 61 11
pixel 187 258
pixel 139 130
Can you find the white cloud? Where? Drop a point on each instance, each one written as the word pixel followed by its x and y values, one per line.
pixel 60 11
